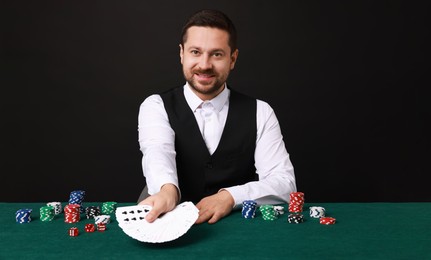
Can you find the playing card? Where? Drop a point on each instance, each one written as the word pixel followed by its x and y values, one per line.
pixel 167 227
pixel 131 215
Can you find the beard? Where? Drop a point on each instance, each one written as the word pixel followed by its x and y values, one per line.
pixel 206 88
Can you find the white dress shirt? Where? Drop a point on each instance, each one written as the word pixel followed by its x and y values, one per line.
pixel 157 143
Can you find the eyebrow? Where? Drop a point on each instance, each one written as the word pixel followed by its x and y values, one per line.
pixel 200 49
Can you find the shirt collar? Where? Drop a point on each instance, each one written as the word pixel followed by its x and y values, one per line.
pixel 194 101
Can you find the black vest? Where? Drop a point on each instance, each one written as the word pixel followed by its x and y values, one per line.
pixel 199 173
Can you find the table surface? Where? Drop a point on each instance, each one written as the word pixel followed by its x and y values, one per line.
pixel 362 231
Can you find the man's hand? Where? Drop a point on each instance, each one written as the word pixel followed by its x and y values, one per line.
pixel 215 207
pixel 163 201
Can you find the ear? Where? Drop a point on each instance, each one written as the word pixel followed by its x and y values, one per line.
pixel 233 58
pixel 181 53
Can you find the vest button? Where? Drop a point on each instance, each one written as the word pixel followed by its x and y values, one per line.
pixel 209 165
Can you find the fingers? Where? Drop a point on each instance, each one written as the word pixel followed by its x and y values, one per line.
pixel 161 202
pixel 215 207
pixel 153 215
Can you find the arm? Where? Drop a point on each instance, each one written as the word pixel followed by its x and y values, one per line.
pixel 276 176
pixel 156 140
pixel 273 165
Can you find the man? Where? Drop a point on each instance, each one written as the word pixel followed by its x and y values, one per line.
pixel 206 143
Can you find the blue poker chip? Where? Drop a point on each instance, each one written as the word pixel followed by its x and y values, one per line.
pixel 23 215
pixel 249 209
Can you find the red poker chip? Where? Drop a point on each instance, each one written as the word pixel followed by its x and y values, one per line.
pixel 90 228
pixel 327 220
pixel 73 232
pixel 101 227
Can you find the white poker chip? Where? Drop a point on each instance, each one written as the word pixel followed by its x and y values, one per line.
pixel 168 227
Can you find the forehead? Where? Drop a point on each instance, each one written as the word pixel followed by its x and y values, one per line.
pixel 206 37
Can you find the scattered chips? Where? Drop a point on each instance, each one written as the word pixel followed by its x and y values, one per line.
pixel 72 213
pixel 249 209
pixel 268 212
pixel 90 228
pixel 295 218
pixel 296 202
pixel 73 231
pixel 327 221
pixel 57 207
pixel 104 219
pixel 92 211
pixel 23 216
pixel 47 213
pixel 109 207
pixel 101 227
pixel 76 197
pixel 317 212
pixel 279 210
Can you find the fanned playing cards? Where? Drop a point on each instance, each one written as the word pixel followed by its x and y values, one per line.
pixel 168 227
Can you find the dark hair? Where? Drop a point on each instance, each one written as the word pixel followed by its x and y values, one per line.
pixel 214 19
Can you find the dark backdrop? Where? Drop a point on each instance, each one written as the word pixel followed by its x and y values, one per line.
pixel 345 80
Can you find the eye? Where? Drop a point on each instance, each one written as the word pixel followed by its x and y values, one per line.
pixel 218 54
pixel 194 52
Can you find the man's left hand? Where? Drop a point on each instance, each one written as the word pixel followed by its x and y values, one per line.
pixel 215 207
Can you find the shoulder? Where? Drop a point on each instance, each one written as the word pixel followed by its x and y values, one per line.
pixel 151 100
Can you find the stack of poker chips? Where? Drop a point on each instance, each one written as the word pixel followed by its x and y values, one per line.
pixel 47 213
pixel 23 215
pixel 76 197
pixel 102 219
pixel 296 202
pixel 327 221
pixel 295 218
pixel 109 207
pixel 268 212
pixel 317 212
pixel 72 213
pixel 92 211
pixel 249 208
pixel 57 207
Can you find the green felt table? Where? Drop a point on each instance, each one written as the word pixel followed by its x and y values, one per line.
pixel 362 231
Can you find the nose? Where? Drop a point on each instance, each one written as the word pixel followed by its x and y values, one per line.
pixel 204 62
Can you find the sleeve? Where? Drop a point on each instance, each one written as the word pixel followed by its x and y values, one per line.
pixel 272 162
pixel 157 144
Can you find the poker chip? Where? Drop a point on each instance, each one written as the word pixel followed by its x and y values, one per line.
pixel 295 218
pixel 101 227
pixel 109 207
pixel 296 202
pixel 57 207
pixel 102 219
pixel 72 213
pixel 73 231
pixel 268 212
pixel 279 210
pixel 327 220
pixel 47 213
pixel 92 211
pixel 76 197
pixel 90 228
pixel 23 216
pixel 317 212
pixel 249 209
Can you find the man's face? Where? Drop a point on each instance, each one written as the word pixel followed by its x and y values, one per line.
pixel 207 60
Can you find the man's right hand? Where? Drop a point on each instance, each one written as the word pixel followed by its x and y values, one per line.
pixel 163 201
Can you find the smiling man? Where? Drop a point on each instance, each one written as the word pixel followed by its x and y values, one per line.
pixel 205 142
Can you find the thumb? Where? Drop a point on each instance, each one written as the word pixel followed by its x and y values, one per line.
pixel 153 215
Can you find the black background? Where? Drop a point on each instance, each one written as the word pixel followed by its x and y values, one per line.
pixel 346 80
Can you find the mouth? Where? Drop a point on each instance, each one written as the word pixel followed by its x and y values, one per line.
pixel 204 76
